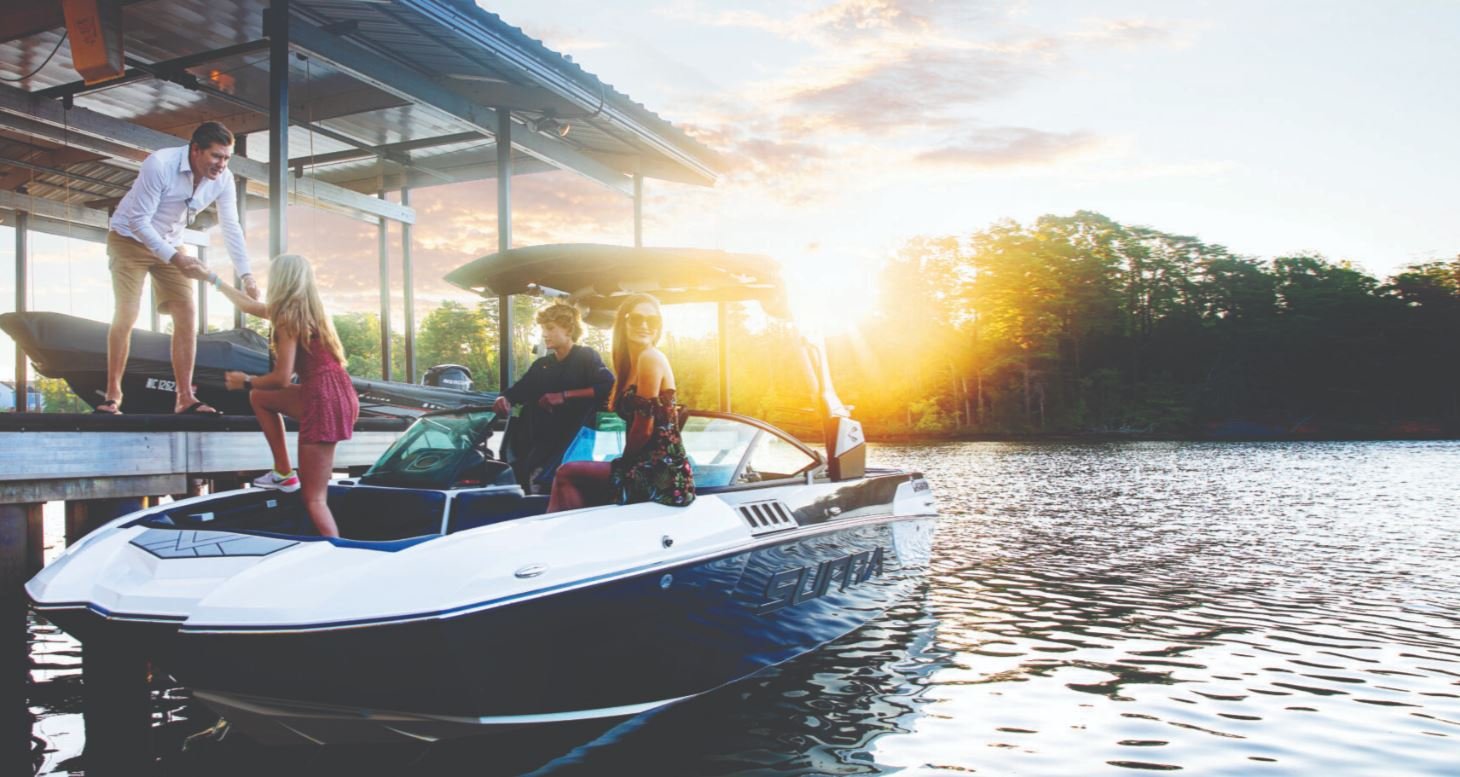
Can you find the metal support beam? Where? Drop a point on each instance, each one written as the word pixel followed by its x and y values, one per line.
pixel 22 262
pixel 191 82
pixel 130 143
pixel 121 187
pixel 505 371
pixel 384 298
pixel 134 74
pixel 319 107
pixel 240 195
pixel 409 290
pixel 638 210
pixel 423 90
pixel 396 152
pixel 54 217
pixel 276 27
pixel 475 165
pixel 723 314
pixel 61 211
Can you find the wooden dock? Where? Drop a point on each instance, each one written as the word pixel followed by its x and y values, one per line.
pixel 103 467
pixel 106 466
pixel 63 457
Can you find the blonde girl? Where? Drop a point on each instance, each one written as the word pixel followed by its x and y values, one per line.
pixel 323 400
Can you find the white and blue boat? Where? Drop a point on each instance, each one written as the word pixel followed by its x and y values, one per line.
pixel 455 606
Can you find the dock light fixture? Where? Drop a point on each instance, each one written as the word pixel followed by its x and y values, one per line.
pixel 550 125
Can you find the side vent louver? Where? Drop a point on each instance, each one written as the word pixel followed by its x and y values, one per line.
pixel 766 517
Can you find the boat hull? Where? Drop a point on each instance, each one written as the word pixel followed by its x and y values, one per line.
pixel 597 652
pixel 75 349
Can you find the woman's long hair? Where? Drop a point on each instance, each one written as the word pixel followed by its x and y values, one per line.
pixel 294 305
pixel 621 342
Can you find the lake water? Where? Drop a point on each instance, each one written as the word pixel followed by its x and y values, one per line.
pixel 1212 608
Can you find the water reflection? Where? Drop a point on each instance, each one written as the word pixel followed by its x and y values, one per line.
pixel 821 714
pixel 1170 606
pixel 1222 609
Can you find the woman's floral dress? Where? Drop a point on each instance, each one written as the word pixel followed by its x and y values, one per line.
pixel 659 471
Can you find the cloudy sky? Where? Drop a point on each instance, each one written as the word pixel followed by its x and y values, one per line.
pixel 849 127
pixel 1268 127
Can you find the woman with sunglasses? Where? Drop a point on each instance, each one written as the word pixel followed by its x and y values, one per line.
pixel 653 467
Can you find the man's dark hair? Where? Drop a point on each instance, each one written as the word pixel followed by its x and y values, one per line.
pixel 211 132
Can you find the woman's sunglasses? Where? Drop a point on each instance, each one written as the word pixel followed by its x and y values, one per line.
pixel 639 319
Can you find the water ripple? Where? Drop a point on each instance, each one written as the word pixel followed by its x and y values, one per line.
pixel 1213 609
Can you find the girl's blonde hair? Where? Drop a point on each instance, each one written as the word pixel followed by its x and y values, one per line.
pixel 295 308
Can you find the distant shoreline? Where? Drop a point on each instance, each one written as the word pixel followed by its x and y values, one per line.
pixel 1089 437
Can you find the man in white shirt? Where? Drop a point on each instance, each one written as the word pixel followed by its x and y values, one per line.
pixel 174 185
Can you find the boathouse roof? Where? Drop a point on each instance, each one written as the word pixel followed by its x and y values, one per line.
pixel 382 94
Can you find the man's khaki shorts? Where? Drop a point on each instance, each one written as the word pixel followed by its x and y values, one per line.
pixel 130 262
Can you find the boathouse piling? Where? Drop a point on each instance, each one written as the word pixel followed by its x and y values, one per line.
pixel 15 568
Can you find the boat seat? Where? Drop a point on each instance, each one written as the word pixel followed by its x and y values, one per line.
pixel 471 509
pixel 374 513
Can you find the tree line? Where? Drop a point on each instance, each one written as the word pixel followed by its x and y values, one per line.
pixel 1079 324
pixel 1070 324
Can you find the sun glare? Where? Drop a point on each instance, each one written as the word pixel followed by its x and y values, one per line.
pixel 829 296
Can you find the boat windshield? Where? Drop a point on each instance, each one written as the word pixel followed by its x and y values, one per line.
pixel 723 451
pixel 433 451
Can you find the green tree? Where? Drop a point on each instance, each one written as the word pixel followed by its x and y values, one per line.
pixel 58 397
pixel 360 335
pixel 456 334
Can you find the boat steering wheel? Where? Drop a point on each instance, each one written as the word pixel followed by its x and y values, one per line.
pixel 427 459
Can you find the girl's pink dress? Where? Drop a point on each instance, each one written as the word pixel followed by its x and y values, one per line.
pixel 331 406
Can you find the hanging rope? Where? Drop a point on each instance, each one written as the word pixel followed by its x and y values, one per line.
pixel 43 64
pixel 309 101
pixel 70 287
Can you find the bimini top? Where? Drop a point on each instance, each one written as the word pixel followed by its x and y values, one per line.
pixel 600 276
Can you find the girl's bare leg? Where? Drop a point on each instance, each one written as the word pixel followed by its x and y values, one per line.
pixel 316 465
pixel 580 484
pixel 267 407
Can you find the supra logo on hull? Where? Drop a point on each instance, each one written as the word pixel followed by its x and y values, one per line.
pixel 793 586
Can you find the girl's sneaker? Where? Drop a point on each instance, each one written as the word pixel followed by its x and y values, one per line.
pixel 271 479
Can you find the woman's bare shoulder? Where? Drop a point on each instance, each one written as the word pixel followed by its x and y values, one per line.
pixel 653 357
pixel 652 373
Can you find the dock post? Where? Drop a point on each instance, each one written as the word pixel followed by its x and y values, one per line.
pixel 22 288
pixel 116 707
pixel 15 720
pixel 20 529
pixel 383 231
pixel 505 368
pixel 35 537
pixel 84 515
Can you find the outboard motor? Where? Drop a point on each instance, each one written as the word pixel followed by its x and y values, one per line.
pixel 846 448
pixel 452 376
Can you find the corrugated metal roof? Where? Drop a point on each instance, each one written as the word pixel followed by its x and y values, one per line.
pixel 469 51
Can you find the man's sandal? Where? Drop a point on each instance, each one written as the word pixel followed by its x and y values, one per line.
pixel 199 408
pixel 109 407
